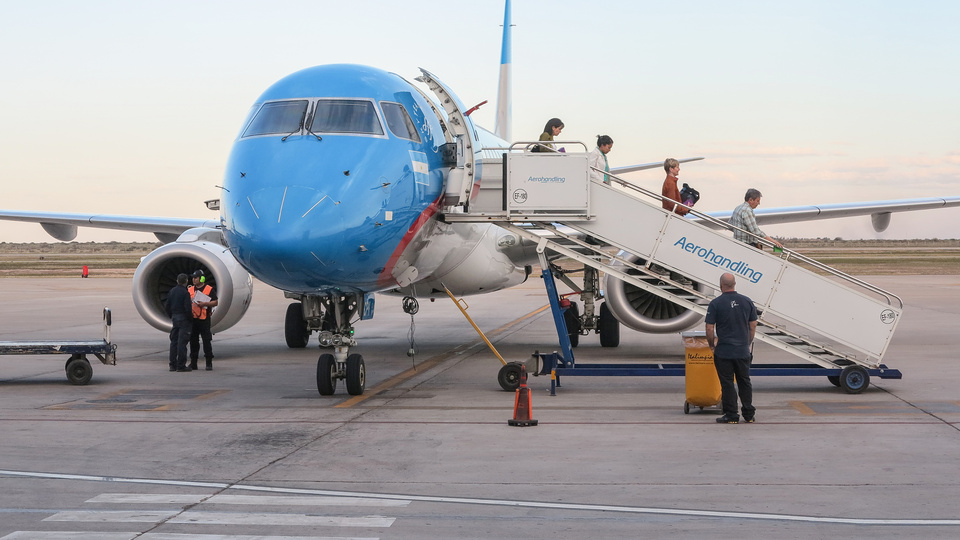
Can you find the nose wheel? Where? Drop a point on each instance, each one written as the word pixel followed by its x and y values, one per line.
pixel 354 371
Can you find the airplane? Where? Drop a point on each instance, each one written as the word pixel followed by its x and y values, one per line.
pixel 335 190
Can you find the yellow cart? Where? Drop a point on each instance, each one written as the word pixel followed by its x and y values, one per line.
pixel 702 383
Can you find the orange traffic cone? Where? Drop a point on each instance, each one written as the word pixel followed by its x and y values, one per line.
pixel 522 405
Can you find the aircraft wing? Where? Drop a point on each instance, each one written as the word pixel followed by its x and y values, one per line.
pixel 63 226
pixel 879 211
pixel 646 166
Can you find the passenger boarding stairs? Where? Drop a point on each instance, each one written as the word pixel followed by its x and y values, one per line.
pixel 832 320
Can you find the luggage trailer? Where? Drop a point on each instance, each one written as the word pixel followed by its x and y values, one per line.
pixel 853 379
pixel 78 368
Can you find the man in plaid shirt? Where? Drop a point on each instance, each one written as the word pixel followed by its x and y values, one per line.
pixel 743 218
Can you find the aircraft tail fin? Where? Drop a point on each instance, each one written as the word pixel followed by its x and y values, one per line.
pixel 504 105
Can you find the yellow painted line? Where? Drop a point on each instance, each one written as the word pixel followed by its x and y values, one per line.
pixel 431 362
pixel 803 408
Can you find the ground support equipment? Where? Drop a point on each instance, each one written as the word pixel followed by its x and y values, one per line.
pixel 78 368
pixel 853 378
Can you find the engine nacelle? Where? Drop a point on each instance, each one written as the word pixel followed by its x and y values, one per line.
pixel 196 248
pixel 644 311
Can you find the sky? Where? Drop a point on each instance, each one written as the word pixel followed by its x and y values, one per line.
pixel 130 107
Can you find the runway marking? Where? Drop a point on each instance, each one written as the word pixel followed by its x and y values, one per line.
pixel 432 362
pixel 218 518
pixel 262 500
pixel 875 407
pixel 501 502
pixel 65 535
pixel 137 400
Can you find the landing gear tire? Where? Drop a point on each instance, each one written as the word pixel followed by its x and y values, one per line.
pixel 326 375
pixel 571 317
pixel 509 376
pixel 854 379
pixel 356 375
pixel 78 370
pixel 295 327
pixel 609 328
pixel 834 380
pixel 686 407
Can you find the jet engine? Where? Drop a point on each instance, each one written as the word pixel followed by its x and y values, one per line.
pixel 194 249
pixel 644 311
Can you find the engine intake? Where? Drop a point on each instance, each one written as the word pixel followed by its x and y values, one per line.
pixel 157 274
pixel 644 311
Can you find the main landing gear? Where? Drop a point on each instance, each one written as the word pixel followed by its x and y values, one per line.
pixel 329 316
pixel 579 324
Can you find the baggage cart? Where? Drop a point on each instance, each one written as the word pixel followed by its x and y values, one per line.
pixel 77 367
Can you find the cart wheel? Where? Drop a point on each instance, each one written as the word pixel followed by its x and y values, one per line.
pixel 509 376
pixel 854 379
pixel 686 407
pixel 78 370
pixel 834 380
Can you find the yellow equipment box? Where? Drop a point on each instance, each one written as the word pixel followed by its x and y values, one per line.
pixel 700 375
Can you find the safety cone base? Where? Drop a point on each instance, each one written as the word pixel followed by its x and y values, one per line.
pixel 521 423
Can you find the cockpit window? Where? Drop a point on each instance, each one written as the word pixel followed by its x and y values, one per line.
pixel 278 117
pixel 346 116
pixel 399 121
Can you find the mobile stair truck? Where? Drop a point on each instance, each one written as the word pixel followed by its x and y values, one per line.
pixel 837 323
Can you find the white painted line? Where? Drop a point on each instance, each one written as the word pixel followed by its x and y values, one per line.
pixel 218 518
pixel 268 500
pixel 504 503
pixel 66 535
pixel 113 516
pixel 175 536
pixel 230 518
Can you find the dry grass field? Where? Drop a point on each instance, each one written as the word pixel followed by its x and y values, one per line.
pixel 856 257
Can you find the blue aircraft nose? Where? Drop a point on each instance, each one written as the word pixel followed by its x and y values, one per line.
pixel 304 215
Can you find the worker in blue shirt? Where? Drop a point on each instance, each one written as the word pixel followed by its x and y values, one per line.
pixel 731 324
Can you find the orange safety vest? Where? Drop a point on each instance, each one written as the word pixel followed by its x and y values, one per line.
pixel 199 312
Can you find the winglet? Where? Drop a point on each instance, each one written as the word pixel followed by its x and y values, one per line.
pixel 504 106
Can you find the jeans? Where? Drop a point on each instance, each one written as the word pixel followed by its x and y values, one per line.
pixel 179 337
pixel 727 368
pixel 201 329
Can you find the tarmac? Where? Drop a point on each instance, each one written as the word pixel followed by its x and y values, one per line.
pixel 251 450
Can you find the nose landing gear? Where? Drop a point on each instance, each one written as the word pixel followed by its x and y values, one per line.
pixel 330 316
pixel 329 370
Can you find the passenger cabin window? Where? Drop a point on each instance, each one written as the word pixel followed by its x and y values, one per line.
pixel 278 117
pixel 346 116
pixel 399 121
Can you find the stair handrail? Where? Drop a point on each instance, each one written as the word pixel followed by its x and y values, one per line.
pixel 788 253
pixel 528 146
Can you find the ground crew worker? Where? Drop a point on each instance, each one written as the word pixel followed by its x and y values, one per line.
pixel 204 298
pixel 731 325
pixel 179 309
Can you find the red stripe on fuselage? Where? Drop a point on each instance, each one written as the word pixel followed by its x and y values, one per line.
pixel 385 279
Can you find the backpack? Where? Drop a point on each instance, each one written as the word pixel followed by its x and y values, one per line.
pixel 689 196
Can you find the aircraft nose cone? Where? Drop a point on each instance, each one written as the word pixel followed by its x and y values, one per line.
pixel 291 231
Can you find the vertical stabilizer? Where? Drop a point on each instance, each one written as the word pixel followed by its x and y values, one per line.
pixel 504 105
